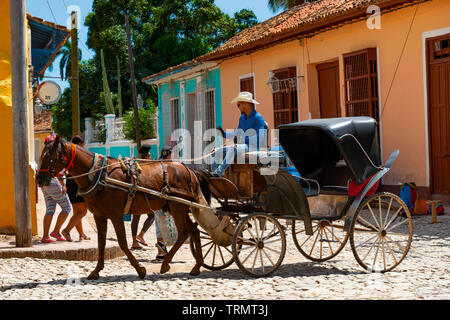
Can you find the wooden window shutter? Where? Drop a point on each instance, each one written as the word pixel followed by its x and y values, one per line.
pixel 285 104
pixel 246 84
pixel 361 83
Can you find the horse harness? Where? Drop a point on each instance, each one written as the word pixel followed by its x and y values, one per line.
pixel 132 170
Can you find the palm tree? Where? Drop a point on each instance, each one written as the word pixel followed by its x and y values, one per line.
pixel 65 63
pixel 276 5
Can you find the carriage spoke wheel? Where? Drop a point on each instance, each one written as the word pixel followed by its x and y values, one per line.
pixel 259 245
pixel 327 240
pixel 381 232
pixel 215 257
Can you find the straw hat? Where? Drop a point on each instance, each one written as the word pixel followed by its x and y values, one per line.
pixel 245 97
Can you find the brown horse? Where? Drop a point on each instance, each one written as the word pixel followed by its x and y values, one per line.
pixel 109 203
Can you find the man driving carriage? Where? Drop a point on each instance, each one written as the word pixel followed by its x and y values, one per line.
pixel 251 131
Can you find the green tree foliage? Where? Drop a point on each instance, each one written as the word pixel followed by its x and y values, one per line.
pixel 277 5
pixel 147 123
pixel 163 34
pixel 65 64
pixel 91 104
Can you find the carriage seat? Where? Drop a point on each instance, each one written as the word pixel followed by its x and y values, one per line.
pixel 330 179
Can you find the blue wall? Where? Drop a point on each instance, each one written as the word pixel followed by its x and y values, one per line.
pixel 212 81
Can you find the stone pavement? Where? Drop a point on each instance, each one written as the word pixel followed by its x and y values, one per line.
pixel 424 274
pixel 77 250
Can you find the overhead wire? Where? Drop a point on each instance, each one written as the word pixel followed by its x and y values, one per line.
pixel 399 59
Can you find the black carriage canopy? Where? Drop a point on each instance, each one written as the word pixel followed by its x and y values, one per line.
pixel 316 146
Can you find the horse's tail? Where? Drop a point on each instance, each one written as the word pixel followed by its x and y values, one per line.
pixel 204 184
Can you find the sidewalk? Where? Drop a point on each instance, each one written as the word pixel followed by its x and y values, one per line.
pixel 76 250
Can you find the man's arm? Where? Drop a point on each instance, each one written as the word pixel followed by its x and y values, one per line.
pixel 232 134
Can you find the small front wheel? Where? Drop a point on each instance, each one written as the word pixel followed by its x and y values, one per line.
pixel 259 245
pixel 381 232
pixel 215 257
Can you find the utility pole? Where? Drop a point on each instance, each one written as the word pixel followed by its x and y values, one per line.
pixel 75 79
pixel 20 123
pixel 133 84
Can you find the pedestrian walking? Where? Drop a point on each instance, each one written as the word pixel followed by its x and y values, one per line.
pixel 55 193
pixel 166 153
pixel 144 152
pixel 78 204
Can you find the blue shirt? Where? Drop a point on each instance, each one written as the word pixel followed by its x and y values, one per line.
pixel 254 121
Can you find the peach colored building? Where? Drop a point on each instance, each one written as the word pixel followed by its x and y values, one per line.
pixel 336 58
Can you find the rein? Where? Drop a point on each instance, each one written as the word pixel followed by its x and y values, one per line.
pixel 50 169
pixel 72 158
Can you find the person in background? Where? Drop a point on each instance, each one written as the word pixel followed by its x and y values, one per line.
pixel 166 154
pixel 55 193
pixel 144 152
pixel 78 204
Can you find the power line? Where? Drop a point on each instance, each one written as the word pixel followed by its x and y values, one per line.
pixel 48 3
pixel 399 59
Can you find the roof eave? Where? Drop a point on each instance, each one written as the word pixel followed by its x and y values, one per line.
pixel 180 73
pixel 302 31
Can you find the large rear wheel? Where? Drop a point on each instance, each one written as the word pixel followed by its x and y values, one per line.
pixel 381 232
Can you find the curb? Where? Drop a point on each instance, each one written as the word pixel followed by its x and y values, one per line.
pixel 84 254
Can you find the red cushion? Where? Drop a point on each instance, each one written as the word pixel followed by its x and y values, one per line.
pixel 354 189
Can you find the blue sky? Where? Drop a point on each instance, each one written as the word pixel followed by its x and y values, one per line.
pixel 56 11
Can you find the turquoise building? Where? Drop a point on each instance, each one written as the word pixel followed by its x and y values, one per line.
pixel 189 104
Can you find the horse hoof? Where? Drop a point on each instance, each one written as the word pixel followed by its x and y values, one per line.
pixel 194 272
pixel 164 269
pixel 93 276
pixel 142 272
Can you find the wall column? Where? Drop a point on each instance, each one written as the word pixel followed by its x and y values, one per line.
pixel 109 126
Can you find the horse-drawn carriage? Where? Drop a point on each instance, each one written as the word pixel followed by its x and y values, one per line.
pixel 333 201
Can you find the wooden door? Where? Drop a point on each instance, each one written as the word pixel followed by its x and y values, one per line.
pixel 329 96
pixel 439 112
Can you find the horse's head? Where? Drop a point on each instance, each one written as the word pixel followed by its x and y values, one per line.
pixel 51 162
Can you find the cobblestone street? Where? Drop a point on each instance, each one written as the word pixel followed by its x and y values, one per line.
pixel 423 274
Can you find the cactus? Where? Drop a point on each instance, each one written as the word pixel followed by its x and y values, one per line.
pixel 119 89
pixel 107 92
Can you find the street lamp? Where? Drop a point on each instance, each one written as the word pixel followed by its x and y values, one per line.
pixel 273 83
pixel 38 106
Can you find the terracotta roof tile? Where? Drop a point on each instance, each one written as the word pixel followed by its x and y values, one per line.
pixel 43 121
pixel 294 20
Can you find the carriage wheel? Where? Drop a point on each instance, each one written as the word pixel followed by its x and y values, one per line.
pixel 215 257
pixel 259 245
pixel 381 232
pixel 327 240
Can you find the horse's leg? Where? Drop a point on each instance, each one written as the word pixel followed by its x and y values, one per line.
pixel 119 227
pixel 194 233
pixel 178 213
pixel 102 225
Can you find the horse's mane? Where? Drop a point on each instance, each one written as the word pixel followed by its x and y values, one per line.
pixel 204 184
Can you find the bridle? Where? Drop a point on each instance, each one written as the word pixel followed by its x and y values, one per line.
pixel 53 160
